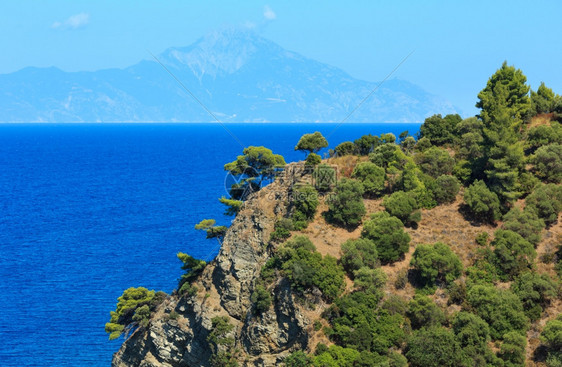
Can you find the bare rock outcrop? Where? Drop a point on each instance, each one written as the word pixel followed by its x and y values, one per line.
pixel 178 331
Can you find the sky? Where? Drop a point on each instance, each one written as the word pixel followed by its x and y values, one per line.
pixel 457 45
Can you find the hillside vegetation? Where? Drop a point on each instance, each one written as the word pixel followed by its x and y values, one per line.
pixel 443 249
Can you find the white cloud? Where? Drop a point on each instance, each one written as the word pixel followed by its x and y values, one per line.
pixel 268 13
pixel 73 22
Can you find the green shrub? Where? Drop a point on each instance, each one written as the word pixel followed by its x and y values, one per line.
pixel 524 222
pixel 388 155
pixel 358 253
pixel 440 130
pixel 366 144
pixel 482 238
pixel 388 234
pixel 282 230
pixel 446 189
pixel 434 347
pixel 402 206
pixel 346 148
pixel 130 311
pixel 551 337
pixel 192 266
pixel 306 268
pixel 436 263
pixel 369 280
pixel 547 162
pixel 501 309
pixel 423 144
pixel 535 292
pixel 512 350
pixel 325 177
pixel 371 176
pixel 435 162
pixel 542 135
pixel 473 335
pixel 513 253
pixel 313 159
pixel 346 207
pixel 546 200
pixel 423 312
pixel 483 204
pixel 304 203
pixel 297 359
pixel 261 298
pixel 311 142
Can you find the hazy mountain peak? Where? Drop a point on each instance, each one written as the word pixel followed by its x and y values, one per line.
pixel 219 52
pixel 236 73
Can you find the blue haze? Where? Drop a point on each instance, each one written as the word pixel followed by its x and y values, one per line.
pixel 88 210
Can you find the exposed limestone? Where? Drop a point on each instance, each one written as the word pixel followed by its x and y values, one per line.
pixel 225 288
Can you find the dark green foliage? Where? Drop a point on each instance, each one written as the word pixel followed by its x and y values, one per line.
pixel 261 298
pixel 312 142
pixel 542 135
pixel 366 144
pixel 252 167
pixel 395 304
pixel 505 90
pixel 439 130
pixel 325 177
pixel 193 267
pixel 356 324
pixel 133 308
pixel 346 207
pixel 297 359
pixel 473 335
pixel 546 200
pixel 387 155
pixel 313 159
pixel 482 238
pixel 388 234
pixel 369 280
pixel 463 171
pixel 501 309
pixel 282 230
pixel 358 253
pixel 220 343
pixel 436 263
pixel 535 292
pixel 435 162
pixel 408 144
pixel 346 148
pixel 304 203
pixel 524 222
pixel 434 347
pixel 306 268
pixel 371 176
pixel 402 206
pixel 208 225
pixel 469 139
pixel 542 101
pixel 512 350
pixel 483 204
pixel 446 189
pixel 547 162
pixel 513 254
pixel 551 337
pixel 423 144
pixel 233 206
pixel 423 312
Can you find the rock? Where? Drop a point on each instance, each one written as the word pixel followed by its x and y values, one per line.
pixel 263 340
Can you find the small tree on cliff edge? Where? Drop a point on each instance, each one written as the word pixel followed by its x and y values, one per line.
pixel 312 143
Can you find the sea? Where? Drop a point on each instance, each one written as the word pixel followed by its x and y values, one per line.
pixel 88 210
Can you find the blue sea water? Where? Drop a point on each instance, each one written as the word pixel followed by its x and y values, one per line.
pixel 89 210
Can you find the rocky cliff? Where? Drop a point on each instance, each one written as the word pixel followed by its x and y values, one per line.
pixel 178 331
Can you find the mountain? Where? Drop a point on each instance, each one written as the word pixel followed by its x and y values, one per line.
pixel 235 73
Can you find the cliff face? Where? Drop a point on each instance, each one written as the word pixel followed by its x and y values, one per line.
pixel 178 331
